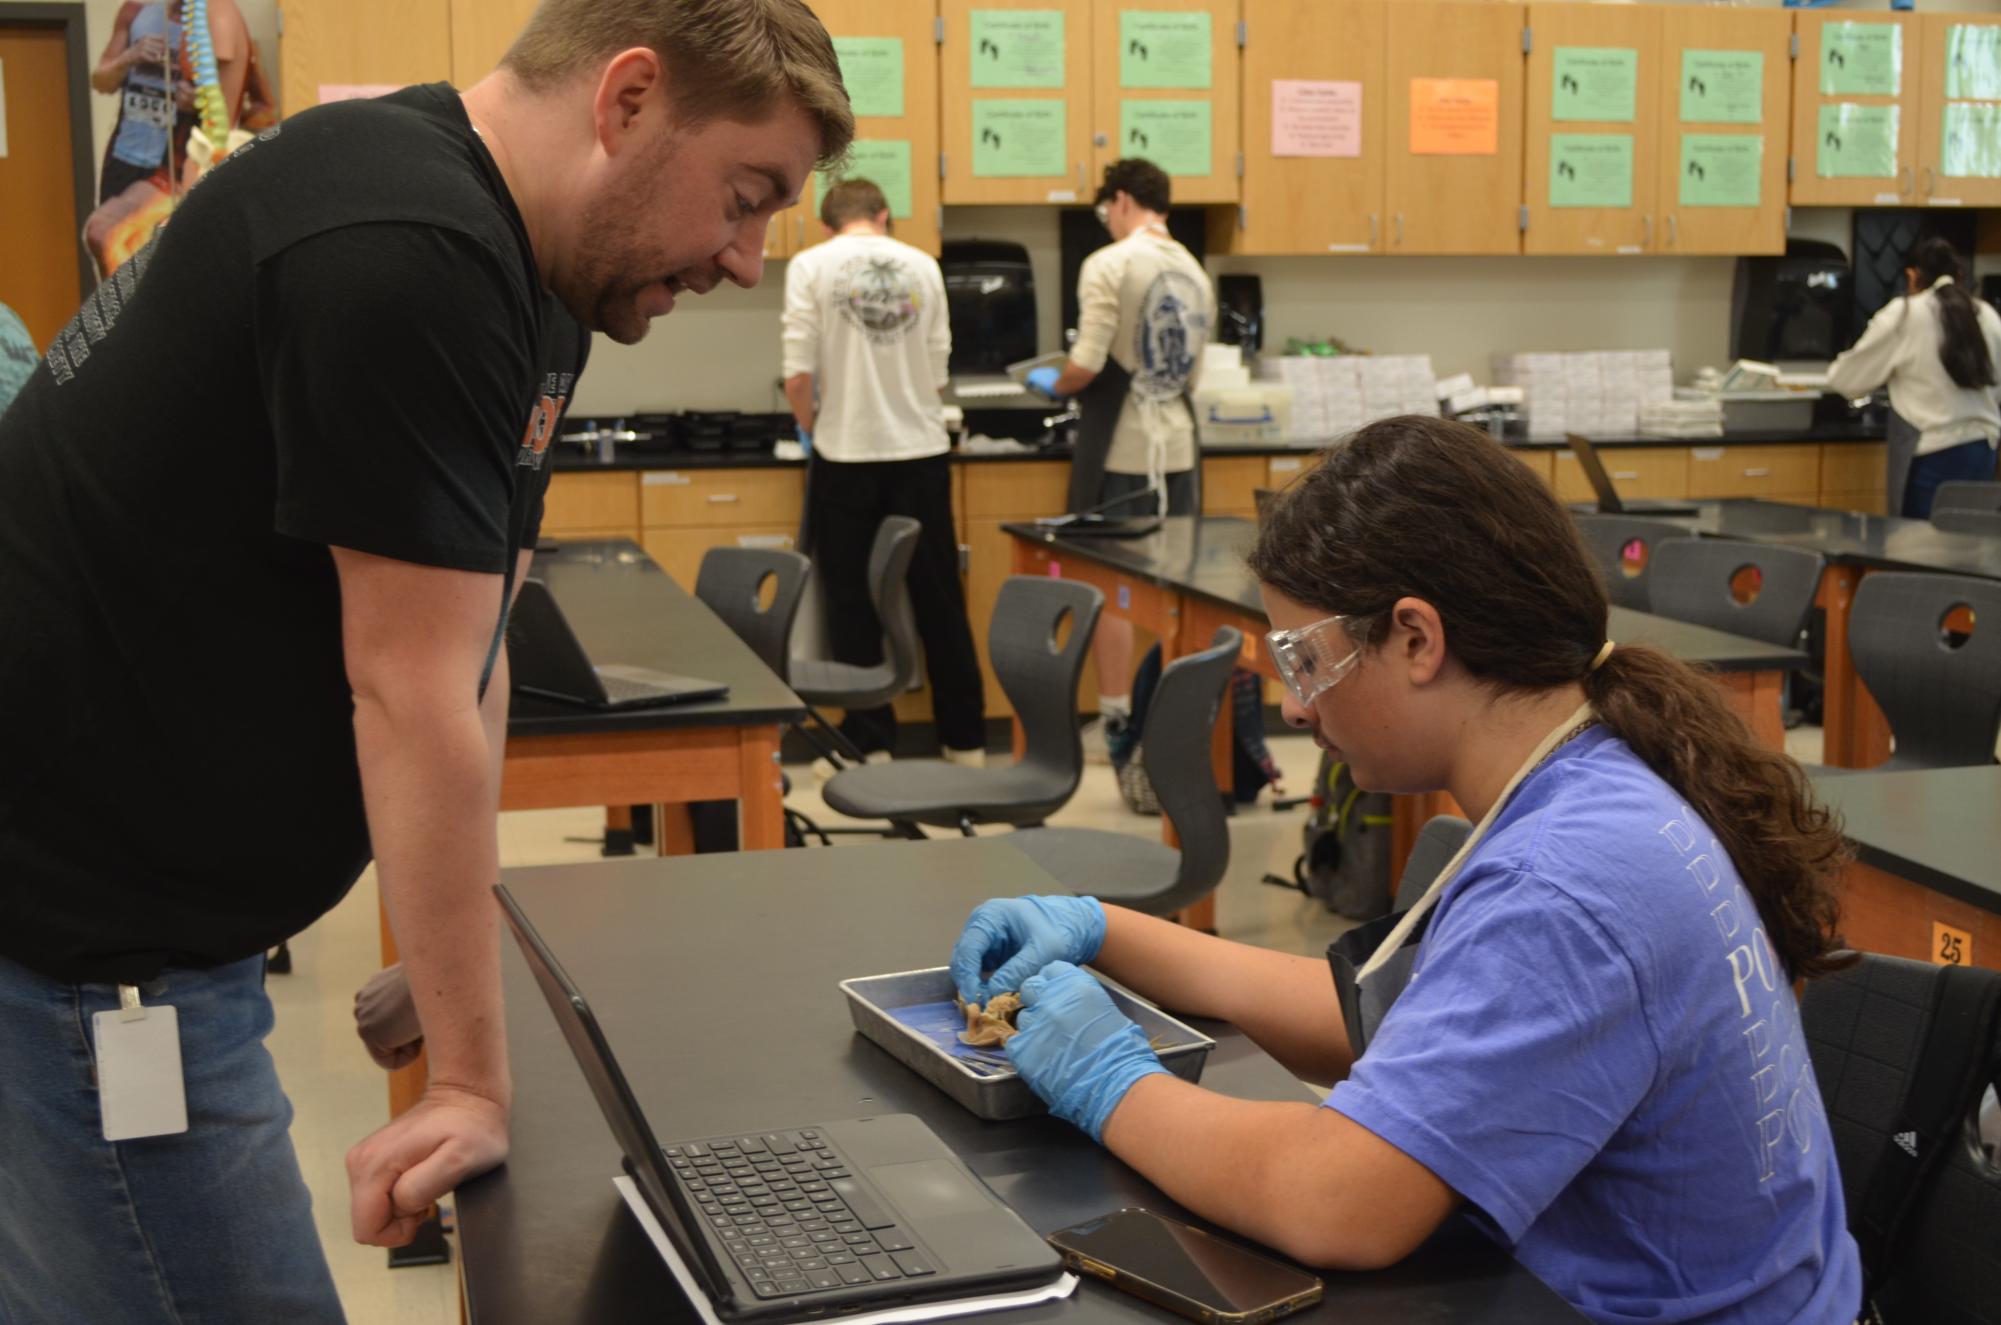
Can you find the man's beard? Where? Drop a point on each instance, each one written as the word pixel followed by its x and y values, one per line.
pixel 603 291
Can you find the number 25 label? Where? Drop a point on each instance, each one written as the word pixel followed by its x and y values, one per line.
pixel 1951 947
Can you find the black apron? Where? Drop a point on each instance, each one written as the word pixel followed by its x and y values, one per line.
pixel 1363 1007
pixel 1100 404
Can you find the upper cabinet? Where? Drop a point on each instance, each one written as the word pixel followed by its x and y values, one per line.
pixel 1453 133
pixel 1016 106
pixel 1855 107
pixel 1959 110
pixel 1590 172
pixel 1723 113
pixel 889 61
pixel 1313 130
pixel 482 30
pixel 1164 81
pixel 326 48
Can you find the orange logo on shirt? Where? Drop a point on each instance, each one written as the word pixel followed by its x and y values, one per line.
pixel 541 428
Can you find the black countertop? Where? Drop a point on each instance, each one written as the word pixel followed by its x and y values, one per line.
pixel 1936 827
pixel 569 459
pixel 1204 556
pixel 714 978
pixel 1880 542
pixel 625 609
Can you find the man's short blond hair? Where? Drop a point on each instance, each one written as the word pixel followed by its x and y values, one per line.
pixel 852 200
pixel 726 59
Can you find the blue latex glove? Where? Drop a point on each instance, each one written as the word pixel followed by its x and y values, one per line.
pixel 1014 937
pixel 805 438
pixel 1043 379
pixel 1076 1049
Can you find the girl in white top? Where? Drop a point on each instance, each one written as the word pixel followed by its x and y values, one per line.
pixel 1937 348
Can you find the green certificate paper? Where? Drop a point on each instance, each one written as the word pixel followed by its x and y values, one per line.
pixel 1174 135
pixel 1595 83
pixel 1591 170
pixel 1016 48
pixel 1018 139
pixel 883 162
pixel 1973 61
pixel 1163 49
pixel 1722 87
pixel 872 68
pixel 1721 169
pixel 1972 140
pixel 1856 142
pixel 1861 59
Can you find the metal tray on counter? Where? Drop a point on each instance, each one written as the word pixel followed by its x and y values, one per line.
pixel 1001 1095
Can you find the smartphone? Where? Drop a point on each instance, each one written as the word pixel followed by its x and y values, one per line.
pixel 1180 1267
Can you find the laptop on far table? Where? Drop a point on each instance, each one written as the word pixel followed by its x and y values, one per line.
pixel 1609 501
pixel 544 657
pixel 817 1220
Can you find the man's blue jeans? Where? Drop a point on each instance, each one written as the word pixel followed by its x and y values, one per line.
pixel 212 1225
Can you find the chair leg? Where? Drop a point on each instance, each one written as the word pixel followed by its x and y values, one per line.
pixel 848 749
pixel 915 832
pixel 805 828
pixel 966 825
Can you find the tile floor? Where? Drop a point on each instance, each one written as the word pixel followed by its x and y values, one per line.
pixel 339 1096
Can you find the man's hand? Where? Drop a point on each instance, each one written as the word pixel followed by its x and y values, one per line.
pixel 396 1174
pixel 146 50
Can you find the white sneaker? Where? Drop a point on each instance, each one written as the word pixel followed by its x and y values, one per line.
pixel 824 770
pixel 973 758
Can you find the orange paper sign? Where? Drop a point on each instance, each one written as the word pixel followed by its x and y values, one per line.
pixel 1951 947
pixel 1455 116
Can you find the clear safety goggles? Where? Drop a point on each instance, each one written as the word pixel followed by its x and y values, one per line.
pixel 1310 659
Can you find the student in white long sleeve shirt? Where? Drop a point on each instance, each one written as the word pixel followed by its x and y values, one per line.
pixel 866 343
pixel 1144 307
pixel 1937 349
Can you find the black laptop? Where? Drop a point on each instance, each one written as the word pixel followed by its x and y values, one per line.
pixel 1609 501
pixel 545 658
pixel 792 1223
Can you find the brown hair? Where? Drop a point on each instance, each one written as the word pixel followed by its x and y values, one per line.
pixel 726 59
pixel 1141 180
pixel 852 200
pixel 1962 343
pixel 1422 508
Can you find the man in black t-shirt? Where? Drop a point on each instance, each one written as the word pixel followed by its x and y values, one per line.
pixel 259 508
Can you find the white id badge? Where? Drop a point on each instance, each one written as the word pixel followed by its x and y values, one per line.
pixel 139 1085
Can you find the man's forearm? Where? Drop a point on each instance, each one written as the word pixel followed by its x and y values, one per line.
pixel 430 777
pixel 799 395
pixel 1073 378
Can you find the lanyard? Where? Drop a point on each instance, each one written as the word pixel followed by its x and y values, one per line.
pixel 1411 918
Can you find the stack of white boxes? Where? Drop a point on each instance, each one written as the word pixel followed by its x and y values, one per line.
pixel 1331 397
pixel 1597 393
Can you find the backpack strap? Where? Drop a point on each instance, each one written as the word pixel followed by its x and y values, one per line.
pixel 1956 1061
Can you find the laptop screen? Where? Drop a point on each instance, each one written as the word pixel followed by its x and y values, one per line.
pixel 1594 472
pixel 543 652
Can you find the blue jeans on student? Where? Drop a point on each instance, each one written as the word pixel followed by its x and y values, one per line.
pixel 213 1226
pixel 1969 460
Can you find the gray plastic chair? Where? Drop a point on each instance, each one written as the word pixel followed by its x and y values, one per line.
pixel 1966 520
pixel 1148 875
pixel 845 685
pixel 1689 580
pixel 729 583
pixel 1437 842
pixel 1039 677
pixel 1606 538
pixel 1965 494
pixel 1943 698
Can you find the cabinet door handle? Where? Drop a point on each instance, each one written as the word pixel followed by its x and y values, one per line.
pixel 1904 178
pixel 721 498
pixel 1647 230
pixel 1080 177
pixel 1397 222
pixel 1758 471
pixel 1671 230
pixel 798 232
pixel 1928 181
pixel 1372 229
pixel 1625 473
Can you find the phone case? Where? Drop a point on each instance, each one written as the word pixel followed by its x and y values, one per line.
pixel 1180 1304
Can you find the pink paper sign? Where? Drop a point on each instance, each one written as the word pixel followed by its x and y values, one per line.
pixel 355 91
pixel 1315 118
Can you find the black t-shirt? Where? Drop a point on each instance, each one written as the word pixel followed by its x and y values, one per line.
pixel 340 338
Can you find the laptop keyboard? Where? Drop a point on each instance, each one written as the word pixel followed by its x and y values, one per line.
pixel 619 689
pixel 791 1215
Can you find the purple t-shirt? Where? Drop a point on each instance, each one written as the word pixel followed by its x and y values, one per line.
pixel 1600 1052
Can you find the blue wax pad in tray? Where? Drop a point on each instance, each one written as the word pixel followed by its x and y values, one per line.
pixel 912 1016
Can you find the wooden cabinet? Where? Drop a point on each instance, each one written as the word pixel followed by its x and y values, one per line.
pixel 1854 476
pixel 912 135
pixel 1591 184
pixel 1462 200
pixel 991 133
pixel 1310 204
pixel 1973 117
pixel 1788 472
pixel 1855 148
pixel 722 496
pixel 1283 469
pixel 1230 484
pixel 592 505
pixel 1652 473
pixel 1722 178
pixel 680 551
pixel 1126 120
pixel 999 493
pixel 482 30
pixel 393 42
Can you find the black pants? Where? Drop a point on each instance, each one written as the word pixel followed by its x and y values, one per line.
pixel 847 502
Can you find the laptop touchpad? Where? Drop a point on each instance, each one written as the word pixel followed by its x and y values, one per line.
pixel 929 1187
